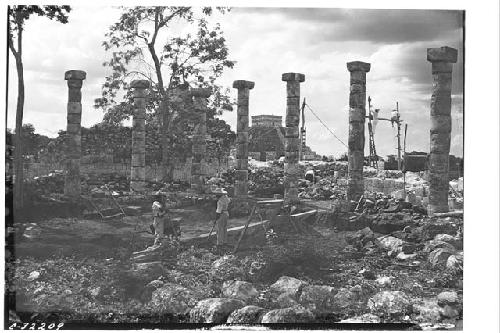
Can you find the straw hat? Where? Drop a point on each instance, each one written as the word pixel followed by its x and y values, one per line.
pixel 219 191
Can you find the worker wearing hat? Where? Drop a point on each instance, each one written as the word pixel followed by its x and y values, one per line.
pixel 158 221
pixel 310 175
pixel 222 215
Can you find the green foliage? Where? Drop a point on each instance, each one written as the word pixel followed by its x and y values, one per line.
pixel 143 45
pixel 32 143
pixel 196 59
pixel 343 157
pixel 19 14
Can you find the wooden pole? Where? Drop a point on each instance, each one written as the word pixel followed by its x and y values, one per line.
pixel 301 152
pixel 370 129
pixel 404 156
pixel 399 136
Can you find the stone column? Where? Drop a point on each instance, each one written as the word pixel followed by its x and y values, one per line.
pixel 442 60
pixel 138 163
pixel 198 168
pixel 292 141
pixel 241 173
pixel 356 140
pixel 74 132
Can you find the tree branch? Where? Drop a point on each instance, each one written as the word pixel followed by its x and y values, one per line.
pixel 137 72
pixel 19 36
pixel 11 44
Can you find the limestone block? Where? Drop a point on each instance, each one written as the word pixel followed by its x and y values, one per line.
pixel 242 151
pixel 74 108
pixel 242 137
pixel 291 194
pixel 442 54
pixel 240 188
pixel 440 143
pixel 199 149
pixel 139 103
pixel 355 161
pixel 137 186
pixel 292 120
pixel 74 94
pixel 292 169
pixel 438 163
pixel 241 175
pixel 75 75
pixel 196 168
pixel 242 123
pixel 441 67
pixel 243 84
pixel 356 138
pixel 358 66
pixel 242 163
pixel 440 104
pixel 200 105
pixel 441 82
pixel 292 144
pixel 243 96
pixel 293 101
pixel 201 92
pixel 357 100
pixel 139 84
pixel 357 115
pixel 293 77
pixel 138 174
pixel 291 157
pixel 74 118
pixel 292 89
pixel 291 132
pixel 138 160
pixel 440 124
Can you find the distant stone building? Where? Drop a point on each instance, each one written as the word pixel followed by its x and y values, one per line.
pixel 266 139
pixel 266 121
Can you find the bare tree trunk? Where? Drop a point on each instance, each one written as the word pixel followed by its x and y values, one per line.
pixel 18 149
pixel 166 161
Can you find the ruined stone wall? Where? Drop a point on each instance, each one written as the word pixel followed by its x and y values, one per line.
pixel 265 139
pixel 182 172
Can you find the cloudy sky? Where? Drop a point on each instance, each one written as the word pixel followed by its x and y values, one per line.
pixel 266 42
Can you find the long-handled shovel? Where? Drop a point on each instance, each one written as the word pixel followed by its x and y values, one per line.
pixel 211 230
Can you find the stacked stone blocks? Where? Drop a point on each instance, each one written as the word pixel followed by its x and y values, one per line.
pixel 241 173
pixel 74 142
pixel 442 60
pixel 292 141
pixel 138 162
pixel 199 148
pixel 356 140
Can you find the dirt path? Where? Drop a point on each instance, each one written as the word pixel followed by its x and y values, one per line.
pixel 74 236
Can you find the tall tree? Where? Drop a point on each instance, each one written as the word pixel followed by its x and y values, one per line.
pixel 18 15
pixel 149 43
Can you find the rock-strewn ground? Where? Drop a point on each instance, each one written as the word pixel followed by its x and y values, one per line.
pixel 412 274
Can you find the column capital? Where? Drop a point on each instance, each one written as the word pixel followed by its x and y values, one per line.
pixel 139 84
pixel 201 92
pixel 75 75
pixel 358 66
pixel 442 54
pixel 242 84
pixel 293 77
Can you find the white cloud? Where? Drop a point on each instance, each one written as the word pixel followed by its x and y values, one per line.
pixel 264 46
